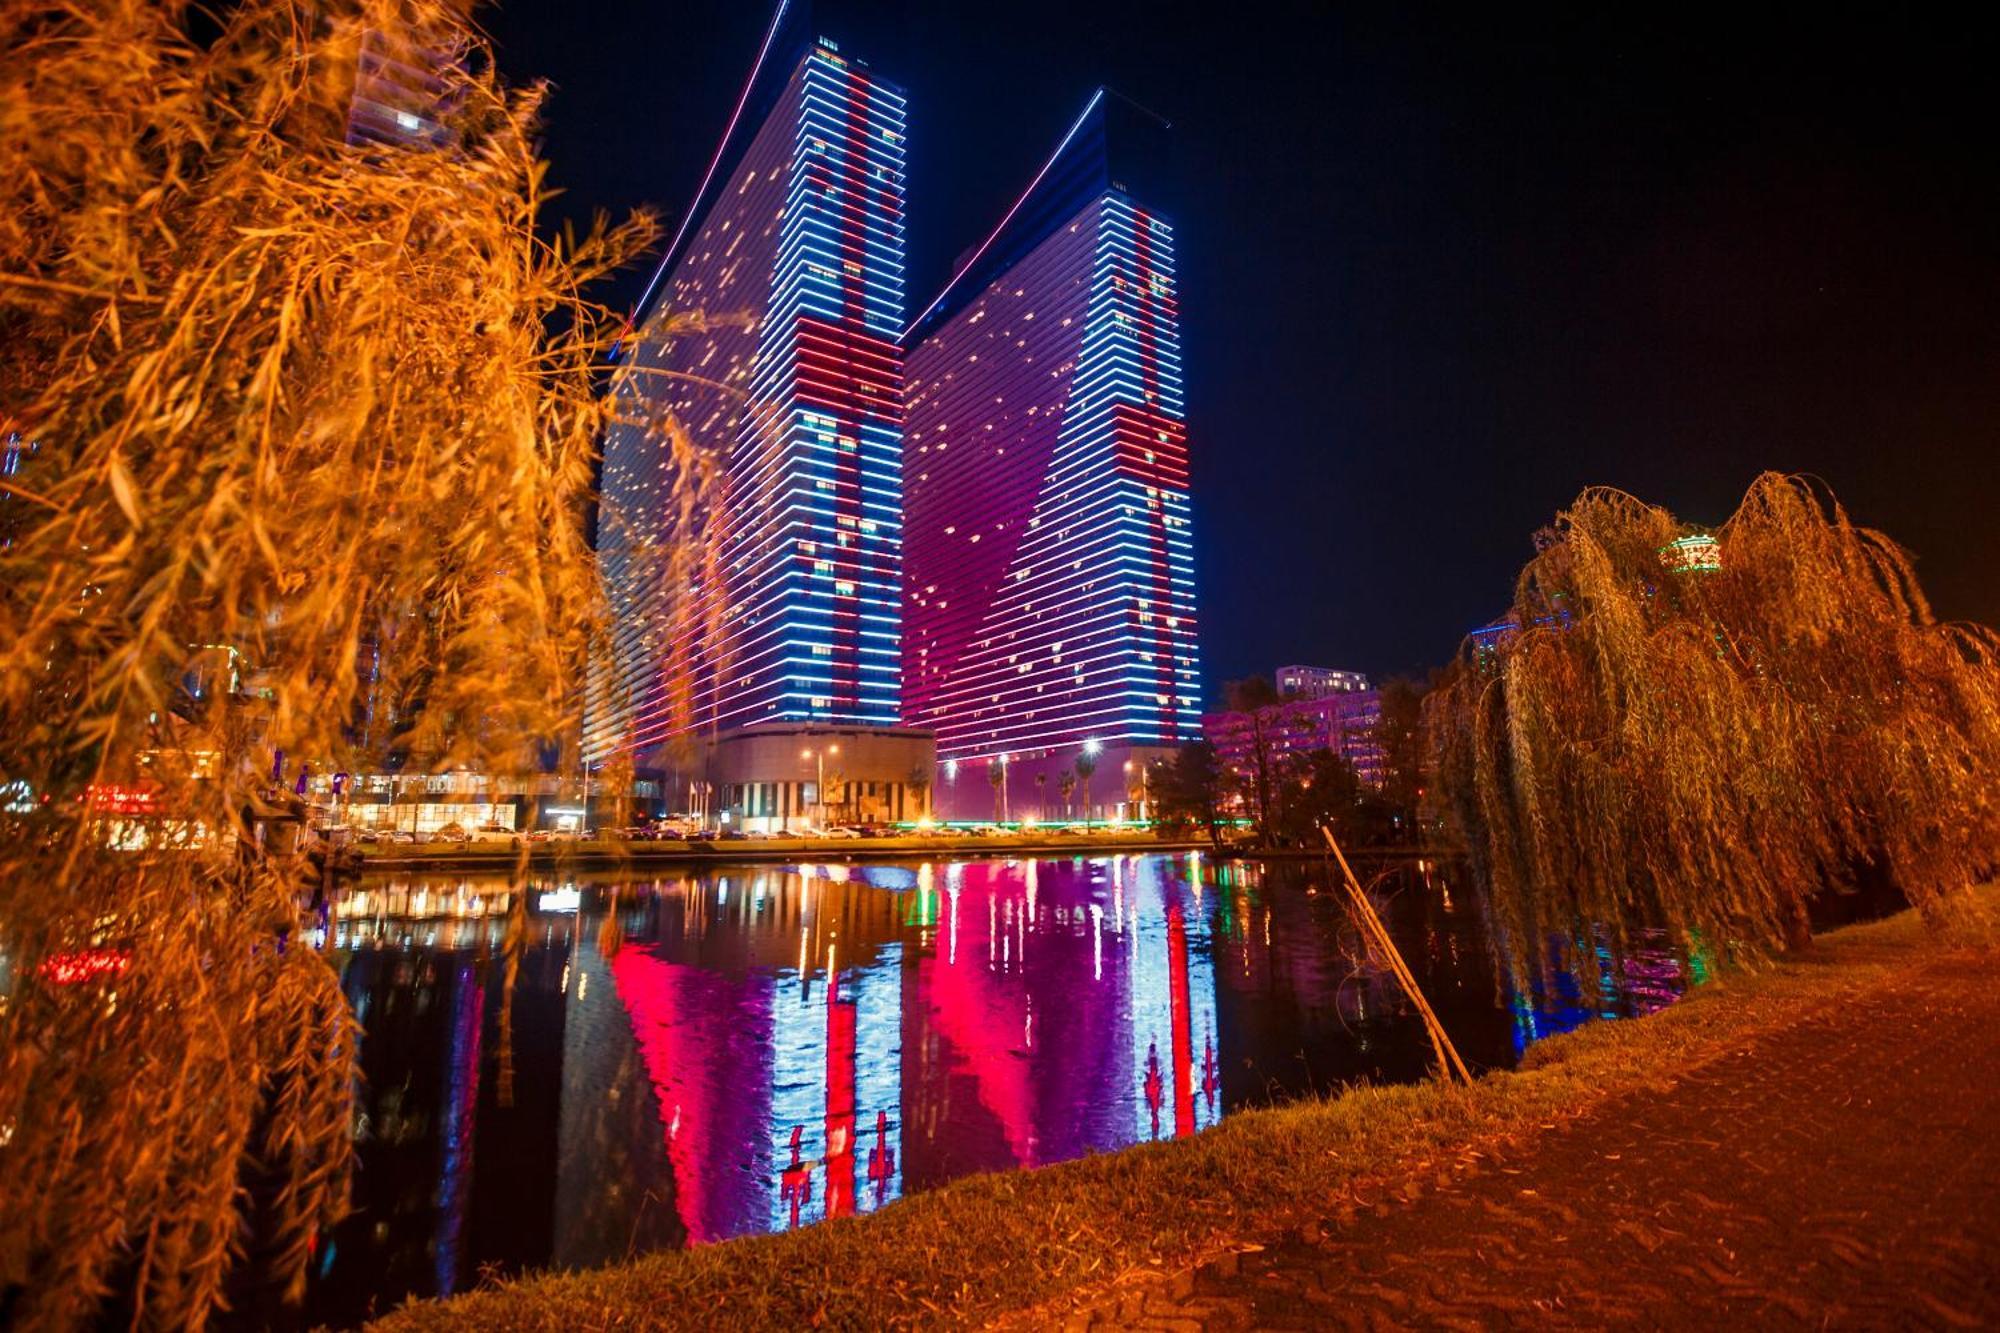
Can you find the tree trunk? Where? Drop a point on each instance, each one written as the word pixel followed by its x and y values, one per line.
pixel 1798 929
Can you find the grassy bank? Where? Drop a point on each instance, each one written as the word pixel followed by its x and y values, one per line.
pixel 988 1247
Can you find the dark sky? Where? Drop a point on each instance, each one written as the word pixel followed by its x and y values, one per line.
pixel 1442 271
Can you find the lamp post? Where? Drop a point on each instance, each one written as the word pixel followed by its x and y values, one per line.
pixel 819 777
pixel 1144 796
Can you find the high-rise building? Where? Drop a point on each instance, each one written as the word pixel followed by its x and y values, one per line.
pixel 1311 682
pixel 1048 565
pixel 403 95
pixel 789 612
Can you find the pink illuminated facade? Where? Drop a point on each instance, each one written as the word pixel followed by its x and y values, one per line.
pixel 1049 562
pixel 1344 722
pixel 788 610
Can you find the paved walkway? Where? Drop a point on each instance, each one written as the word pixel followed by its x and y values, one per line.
pixel 1842 1172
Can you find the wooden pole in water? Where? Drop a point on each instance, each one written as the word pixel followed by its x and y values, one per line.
pixel 1450 1067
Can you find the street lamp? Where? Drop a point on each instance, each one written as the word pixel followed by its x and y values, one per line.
pixel 819 778
pixel 1144 797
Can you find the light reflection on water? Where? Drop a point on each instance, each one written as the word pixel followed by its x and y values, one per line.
pixel 746 1050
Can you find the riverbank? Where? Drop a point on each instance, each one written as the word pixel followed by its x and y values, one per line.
pixel 607 854
pixel 1136 1226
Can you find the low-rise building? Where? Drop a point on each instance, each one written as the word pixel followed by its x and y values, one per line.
pixel 1344 722
pixel 776 777
pixel 1311 682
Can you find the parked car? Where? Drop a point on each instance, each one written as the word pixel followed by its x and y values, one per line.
pixel 401 836
pixel 494 833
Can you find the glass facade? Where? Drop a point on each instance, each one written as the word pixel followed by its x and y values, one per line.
pixel 782 602
pixel 1049 568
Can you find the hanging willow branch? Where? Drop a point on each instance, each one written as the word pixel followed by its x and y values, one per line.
pixel 306 430
pixel 1702 732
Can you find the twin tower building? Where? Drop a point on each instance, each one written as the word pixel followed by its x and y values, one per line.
pixel 937 560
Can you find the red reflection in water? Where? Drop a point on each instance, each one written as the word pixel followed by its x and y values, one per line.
pixel 975 1015
pixel 839 1101
pixel 1177 987
pixel 881 1158
pixel 699 1037
pixel 795 1182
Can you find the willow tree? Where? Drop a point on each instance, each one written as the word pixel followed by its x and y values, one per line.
pixel 1702 731
pixel 307 419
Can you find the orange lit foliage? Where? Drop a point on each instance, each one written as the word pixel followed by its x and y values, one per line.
pixel 1707 750
pixel 294 400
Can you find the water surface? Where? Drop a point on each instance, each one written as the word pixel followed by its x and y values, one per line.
pixel 626 1062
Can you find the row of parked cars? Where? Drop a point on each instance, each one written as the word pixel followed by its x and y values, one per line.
pixel 659 833
pixel 456 833
pixel 453 833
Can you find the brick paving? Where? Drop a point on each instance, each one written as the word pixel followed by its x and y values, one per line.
pixel 1843 1172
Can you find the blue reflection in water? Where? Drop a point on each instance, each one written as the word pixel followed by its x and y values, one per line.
pixel 759 1048
pixel 456 1132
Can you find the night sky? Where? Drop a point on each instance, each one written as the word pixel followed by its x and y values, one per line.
pixel 1440 272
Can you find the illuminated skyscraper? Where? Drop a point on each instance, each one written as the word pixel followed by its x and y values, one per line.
pixel 404 95
pixel 1049 560
pixel 793 256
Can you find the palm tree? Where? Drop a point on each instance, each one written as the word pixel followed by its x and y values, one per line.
pixel 919 783
pixel 1086 764
pixel 996 775
pixel 1041 796
pixel 1067 785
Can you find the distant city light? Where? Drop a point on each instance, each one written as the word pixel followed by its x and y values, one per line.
pixel 559 900
pixel 1697 553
